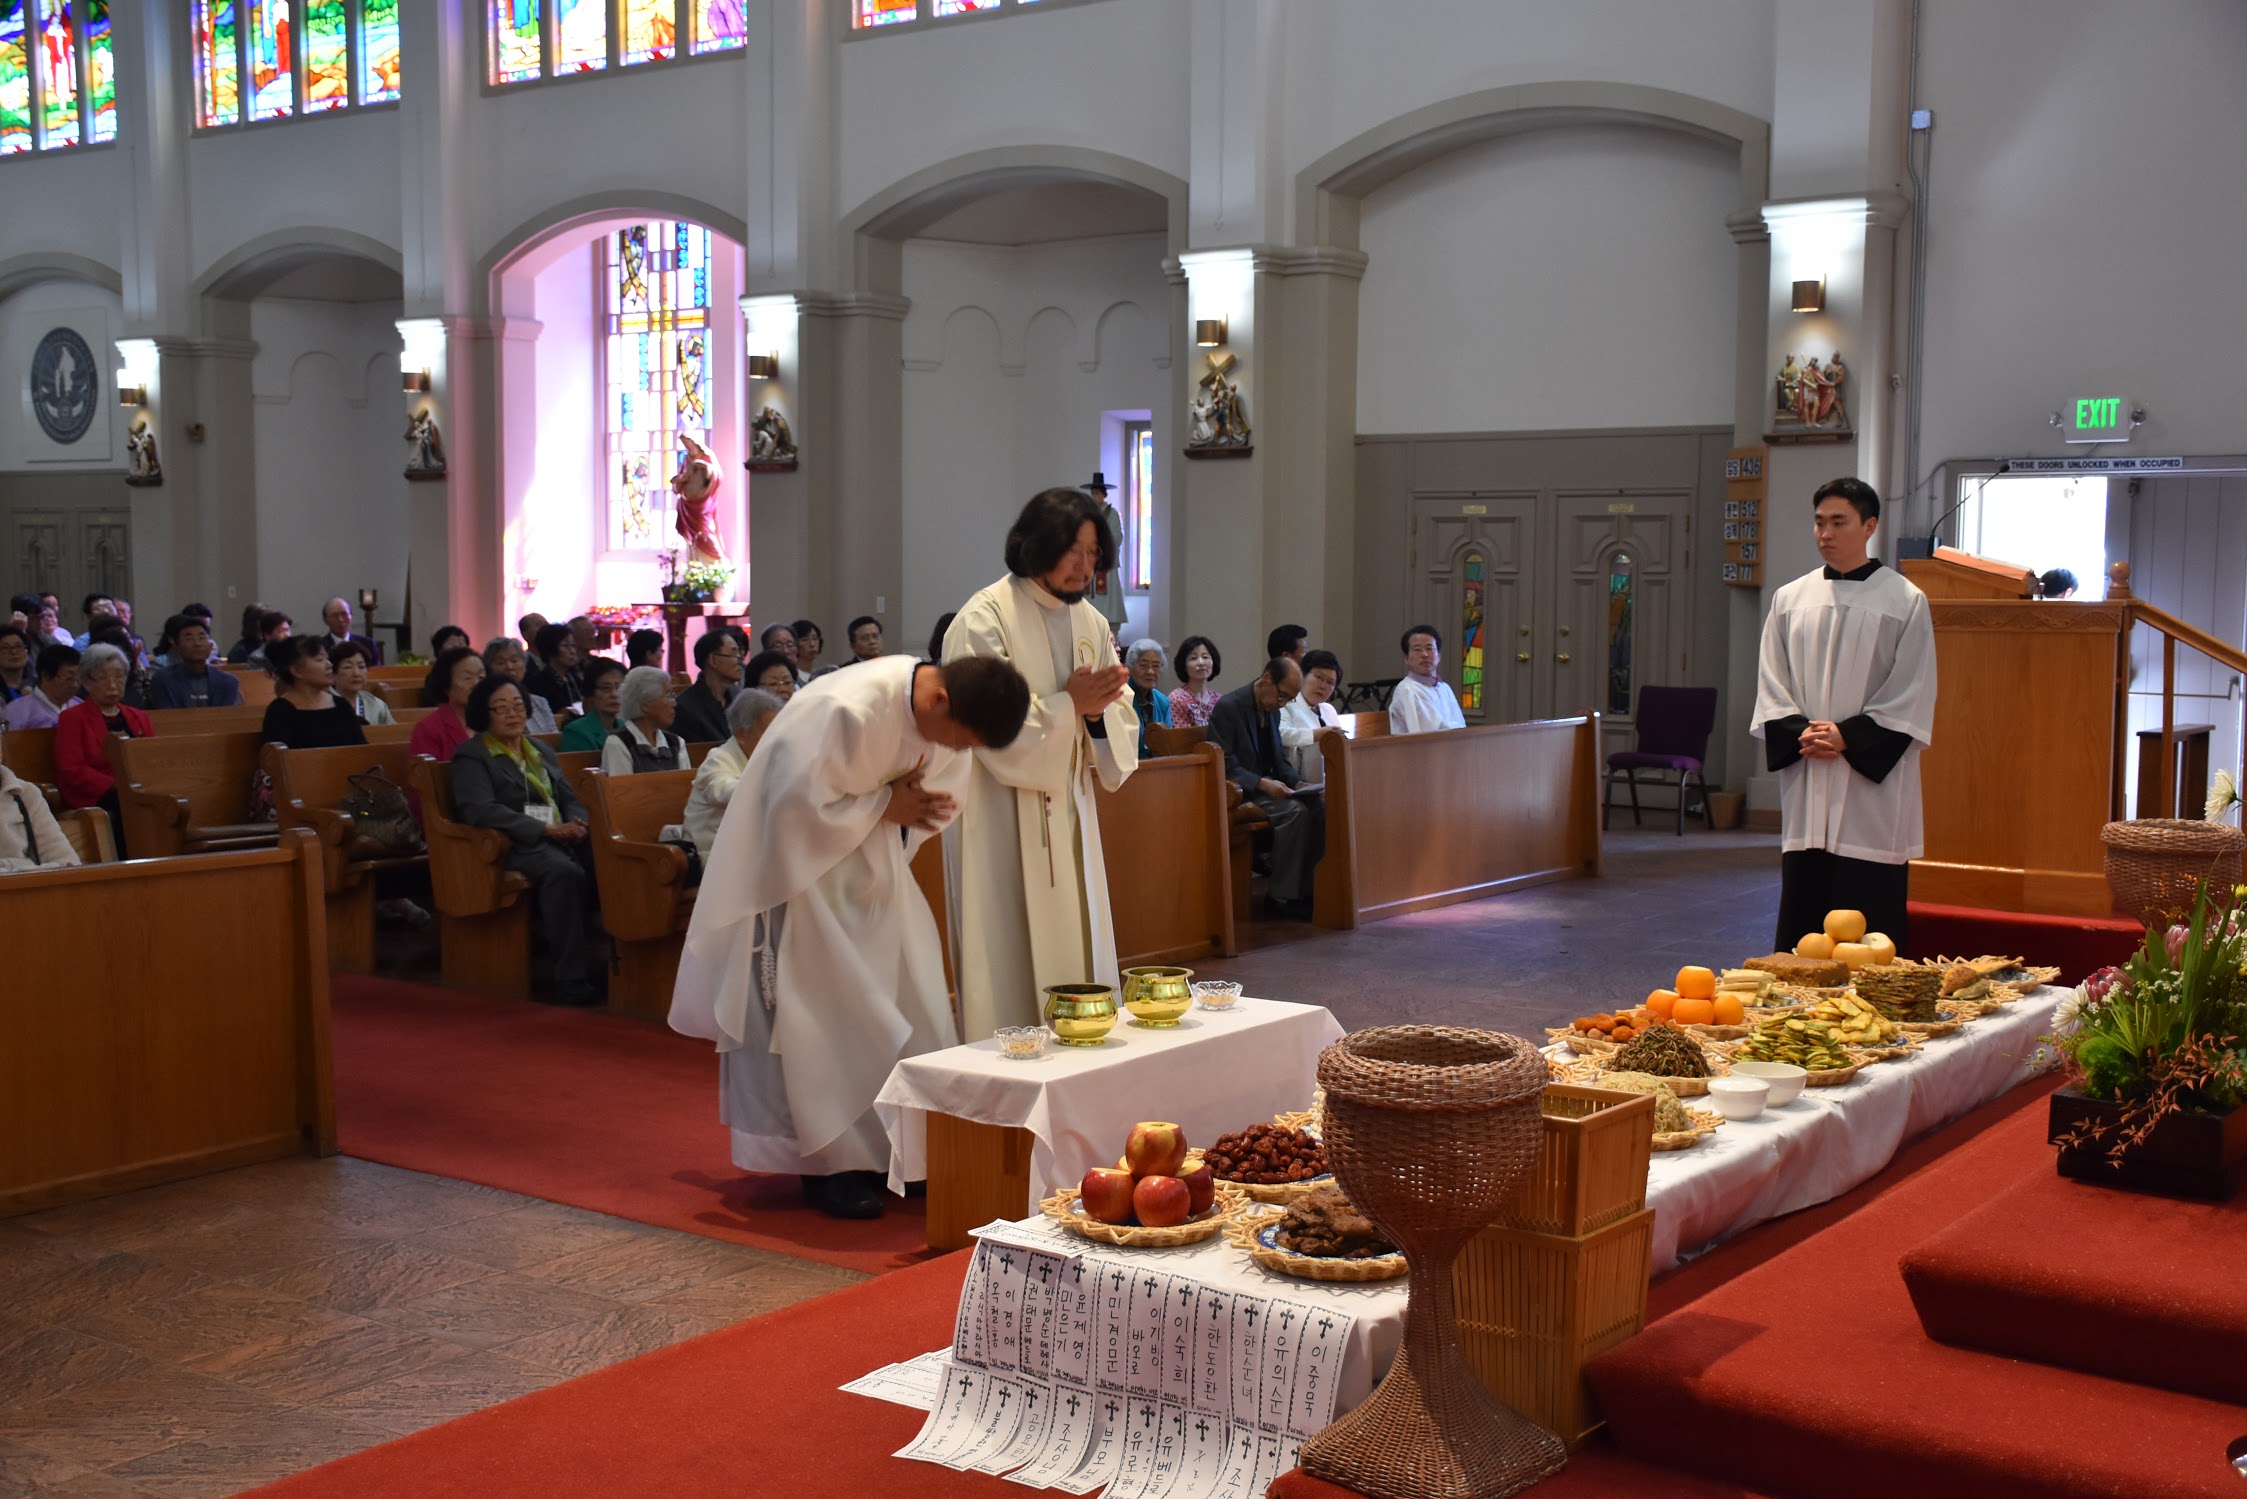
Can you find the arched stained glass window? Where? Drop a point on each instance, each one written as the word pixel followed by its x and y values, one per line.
pixel 279 59
pixel 1471 634
pixel 657 351
pixel 1620 607
pixel 58 75
pixel 866 14
pixel 534 39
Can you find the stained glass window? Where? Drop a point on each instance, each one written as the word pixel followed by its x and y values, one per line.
pixel 378 51
pixel 515 46
pixel 866 13
pixel 533 39
pixel 217 63
pixel 581 35
pixel 1619 663
pixel 650 31
pixel 1142 501
pixel 327 55
pixel 1471 633
pixel 58 75
pixel 963 7
pixel 272 74
pixel 720 24
pixel 657 350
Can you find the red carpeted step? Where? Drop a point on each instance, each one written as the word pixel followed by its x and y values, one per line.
pixel 2085 1277
pixel 1810 1375
pixel 2077 945
pixel 581 1107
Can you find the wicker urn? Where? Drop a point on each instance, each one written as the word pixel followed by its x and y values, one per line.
pixel 2157 865
pixel 1428 1129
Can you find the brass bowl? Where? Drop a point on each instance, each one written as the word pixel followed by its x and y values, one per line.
pixel 1080 1014
pixel 1157 997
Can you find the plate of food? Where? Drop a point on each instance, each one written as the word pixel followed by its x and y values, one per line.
pixel 1322 1236
pixel 1662 1051
pixel 1269 1162
pixel 1067 1208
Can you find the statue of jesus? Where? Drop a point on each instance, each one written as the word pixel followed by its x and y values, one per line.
pixel 696 484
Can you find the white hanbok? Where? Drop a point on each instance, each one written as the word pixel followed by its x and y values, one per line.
pixel 812 959
pixel 1417 708
pixel 1834 648
pixel 1033 888
pixel 1299 732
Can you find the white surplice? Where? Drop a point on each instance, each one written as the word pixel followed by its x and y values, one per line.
pixel 1832 649
pixel 1033 888
pixel 857 972
pixel 1416 708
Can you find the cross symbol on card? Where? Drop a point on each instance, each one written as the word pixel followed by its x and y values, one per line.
pixel 1045 1272
pixel 1146 1418
pixel 1252 1319
pixel 1030 1397
pixel 1287 1319
pixel 1326 1325
pixel 965 1384
pixel 1007 1259
pixel 1072 1405
pixel 1005 1395
pixel 1116 1279
pixel 1185 1295
pixel 1153 1284
pixel 1112 1409
pixel 1201 1428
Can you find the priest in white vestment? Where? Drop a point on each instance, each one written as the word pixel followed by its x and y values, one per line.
pixel 1033 888
pixel 812 959
pixel 1845 703
pixel 1423 702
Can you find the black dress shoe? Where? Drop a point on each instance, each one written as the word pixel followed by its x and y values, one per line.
pixel 847 1194
pixel 1292 910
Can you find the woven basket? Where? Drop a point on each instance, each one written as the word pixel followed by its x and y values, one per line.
pixel 1062 1208
pixel 1245 1233
pixel 2157 865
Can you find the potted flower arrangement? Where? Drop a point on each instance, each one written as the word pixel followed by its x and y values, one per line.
pixel 707 581
pixel 2157 1058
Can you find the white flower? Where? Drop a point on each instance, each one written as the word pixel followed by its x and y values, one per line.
pixel 2223 793
pixel 2069 1016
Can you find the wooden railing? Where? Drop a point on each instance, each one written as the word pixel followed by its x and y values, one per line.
pixel 2174 632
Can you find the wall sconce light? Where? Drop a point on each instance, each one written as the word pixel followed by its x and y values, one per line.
pixel 1810 296
pixel 764 366
pixel 417 382
pixel 1209 332
pixel 367 603
pixel 130 395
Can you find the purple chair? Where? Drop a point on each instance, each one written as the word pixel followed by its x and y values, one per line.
pixel 1674 724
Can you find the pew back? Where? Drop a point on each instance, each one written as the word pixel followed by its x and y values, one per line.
pixel 30 753
pixel 90 834
pixel 172 723
pixel 192 1052
pixel 187 794
pixel 640 878
pixel 1163 739
pixel 468 871
pixel 1165 841
pixel 257 685
pixel 310 784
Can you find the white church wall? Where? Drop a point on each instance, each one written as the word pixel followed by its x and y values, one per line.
pixel 338 173
pixel 555 535
pixel 63 202
pixel 330 454
pixel 1012 355
pixel 1563 279
pixel 1110 77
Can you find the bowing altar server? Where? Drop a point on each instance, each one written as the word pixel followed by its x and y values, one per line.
pixel 812 959
pixel 1845 703
pixel 1033 888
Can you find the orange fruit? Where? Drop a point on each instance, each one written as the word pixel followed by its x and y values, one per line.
pixel 1696 983
pixel 1659 1003
pixel 1693 1012
pixel 1729 1010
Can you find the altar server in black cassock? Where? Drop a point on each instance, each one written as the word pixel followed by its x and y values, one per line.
pixel 1845 703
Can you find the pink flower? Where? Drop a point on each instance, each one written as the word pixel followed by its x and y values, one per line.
pixel 2176 942
pixel 2099 985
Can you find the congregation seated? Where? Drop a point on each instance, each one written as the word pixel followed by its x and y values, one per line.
pixel 108 629
pixel 1312 710
pixel 1423 702
pixel 865 639
pixel 503 657
pixel 773 672
pixel 1144 660
pixel 19 667
pixel 1287 640
pixel 747 717
pixel 82 769
pixel 810 641
pixel 305 712
pixel 504 779
pixel 643 740
pixel 780 638
pixel 167 653
pixel 349 660
pixel 603 680
pixel 702 706
pixel 445 639
pixel 1193 699
pixel 238 654
pixel 30 838
pixel 1246 726
pixel 56 687
pixel 552 672
pixel 643 648
pixel 273 627
pixel 452 679
pixel 190 680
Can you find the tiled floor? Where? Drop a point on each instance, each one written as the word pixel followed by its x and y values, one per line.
pixel 204 1337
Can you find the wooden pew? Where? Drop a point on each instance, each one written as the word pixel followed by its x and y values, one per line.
pixel 90 834
pixel 257 685
pixel 928 873
pixel 308 786
pixel 189 794
pixel 185 1048
pixel 173 723
pixel 1166 841
pixel 1243 819
pixel 409 677
pixel 485 920
pixel 30 753
pixel 1416 821
pixel 645 903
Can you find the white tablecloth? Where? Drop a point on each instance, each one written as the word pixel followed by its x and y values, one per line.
pixel 1219 1071
pixel 1831 1139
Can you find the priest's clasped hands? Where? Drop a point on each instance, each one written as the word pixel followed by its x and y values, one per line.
pixel 913 805
pixel 1093 689
pixel 1822 741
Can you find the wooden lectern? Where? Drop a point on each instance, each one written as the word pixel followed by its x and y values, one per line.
pixel 2020 777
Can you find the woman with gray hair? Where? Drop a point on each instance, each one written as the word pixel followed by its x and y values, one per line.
pixel 643 739
pixel 503 657
pixel 82 769
pixel 748 716
pixel 1144 660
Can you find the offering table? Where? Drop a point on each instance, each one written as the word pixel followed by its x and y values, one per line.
pixel 994 1136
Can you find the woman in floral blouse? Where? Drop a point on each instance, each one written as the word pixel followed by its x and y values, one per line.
pixel 1197 666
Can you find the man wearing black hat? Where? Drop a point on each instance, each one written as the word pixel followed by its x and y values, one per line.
pixel 1107 592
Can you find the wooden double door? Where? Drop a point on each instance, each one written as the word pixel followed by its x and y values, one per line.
pixel 69 551
pixel 1555 602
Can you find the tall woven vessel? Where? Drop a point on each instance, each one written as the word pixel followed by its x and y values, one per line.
pixel 1428 1128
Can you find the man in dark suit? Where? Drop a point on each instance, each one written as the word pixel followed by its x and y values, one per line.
pixel 1245 724
pixel 336 613
pixel 702 707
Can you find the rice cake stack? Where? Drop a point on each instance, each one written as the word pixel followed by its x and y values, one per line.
pixel 1805 973
pixel 1900 991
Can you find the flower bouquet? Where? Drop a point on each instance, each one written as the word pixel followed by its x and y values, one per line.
pixel 2156 1052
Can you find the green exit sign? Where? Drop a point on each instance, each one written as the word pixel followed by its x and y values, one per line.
pixel 2098 419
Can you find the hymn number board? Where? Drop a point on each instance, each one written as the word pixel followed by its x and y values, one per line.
pixel 1743 517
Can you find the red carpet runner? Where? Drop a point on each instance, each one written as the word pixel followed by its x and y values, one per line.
pixel 578 1107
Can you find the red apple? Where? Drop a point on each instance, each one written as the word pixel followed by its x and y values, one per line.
pixel 1201 1182
pixel 1162 1201
pixel 1107 1195
pixel 1155 1149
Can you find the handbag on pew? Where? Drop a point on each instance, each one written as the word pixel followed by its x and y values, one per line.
pixel 382 821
